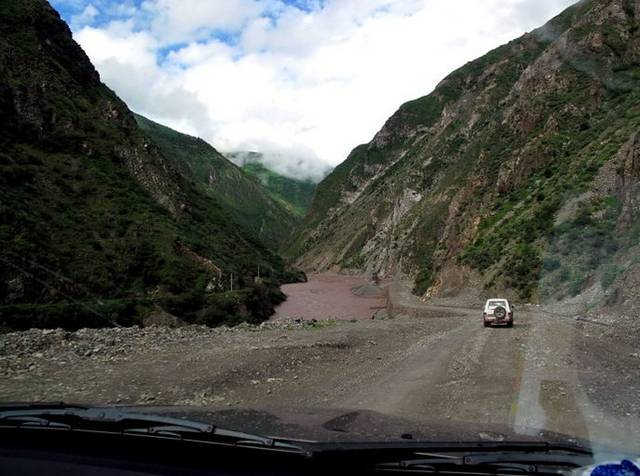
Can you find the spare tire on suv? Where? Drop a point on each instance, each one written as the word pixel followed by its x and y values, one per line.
pixel 500 312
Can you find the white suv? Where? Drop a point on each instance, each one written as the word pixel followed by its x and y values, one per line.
pixel 498 311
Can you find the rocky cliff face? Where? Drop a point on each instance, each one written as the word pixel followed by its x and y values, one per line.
pixel 90 208
pixel 481 184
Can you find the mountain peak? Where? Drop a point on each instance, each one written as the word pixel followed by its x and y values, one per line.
pixel 463 186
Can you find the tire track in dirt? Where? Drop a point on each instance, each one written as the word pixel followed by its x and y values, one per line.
pixel 390 388
pixel 553 394
pixel 429 367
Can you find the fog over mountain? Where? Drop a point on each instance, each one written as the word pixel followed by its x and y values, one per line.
pixel 297 164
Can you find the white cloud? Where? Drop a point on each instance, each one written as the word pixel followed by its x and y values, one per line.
pixel 297 162
pixel 85 17
pixel 184 20
pixel 314 81
pixel 123 9
pixel 127 62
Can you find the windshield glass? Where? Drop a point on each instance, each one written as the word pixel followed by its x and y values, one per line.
pixel 188 222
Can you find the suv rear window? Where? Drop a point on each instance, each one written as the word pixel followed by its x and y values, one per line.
pixel 496 303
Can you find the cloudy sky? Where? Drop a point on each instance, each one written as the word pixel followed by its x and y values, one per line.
pixel 302 80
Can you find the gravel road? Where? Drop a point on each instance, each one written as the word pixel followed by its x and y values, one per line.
pixel 547 372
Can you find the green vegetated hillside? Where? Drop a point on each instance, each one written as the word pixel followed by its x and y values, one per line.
pixel 96 224
pixel 249 202
pixel 295 195
pixel 517 174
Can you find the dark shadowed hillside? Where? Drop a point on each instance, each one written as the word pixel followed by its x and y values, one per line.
pixel 247 199
pixel 96 224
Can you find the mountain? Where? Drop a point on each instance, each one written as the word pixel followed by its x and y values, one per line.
pixel 246 199
pixel 97 225
pixel 518 174
pixel 294 194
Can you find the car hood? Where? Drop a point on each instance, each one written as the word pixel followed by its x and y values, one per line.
pixel 333 425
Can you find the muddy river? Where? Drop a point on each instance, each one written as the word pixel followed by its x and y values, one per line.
pixel 330 296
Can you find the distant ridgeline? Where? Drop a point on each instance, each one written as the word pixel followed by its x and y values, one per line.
pixel 102 222
pixel 518 174
pixel 244 196
pixel 294 194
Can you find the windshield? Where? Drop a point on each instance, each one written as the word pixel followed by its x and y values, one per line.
pixel 188 222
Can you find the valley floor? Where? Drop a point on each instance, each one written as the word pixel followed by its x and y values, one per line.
pixel 442 365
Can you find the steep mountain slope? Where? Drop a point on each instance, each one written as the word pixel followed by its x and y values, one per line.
pixel 95 223
pixel 295 194
pixel 517 174
pixel 239 193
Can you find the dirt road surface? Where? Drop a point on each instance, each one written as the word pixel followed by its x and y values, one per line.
pixel 547 372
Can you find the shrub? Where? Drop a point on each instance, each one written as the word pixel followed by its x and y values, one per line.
pixel 550 264
pixel 523 268
pixel 577 285
pixel 261 302
pixel 220 308
pixel 72 316
pixel 183 305
pixel 424 279
pixel 609 275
